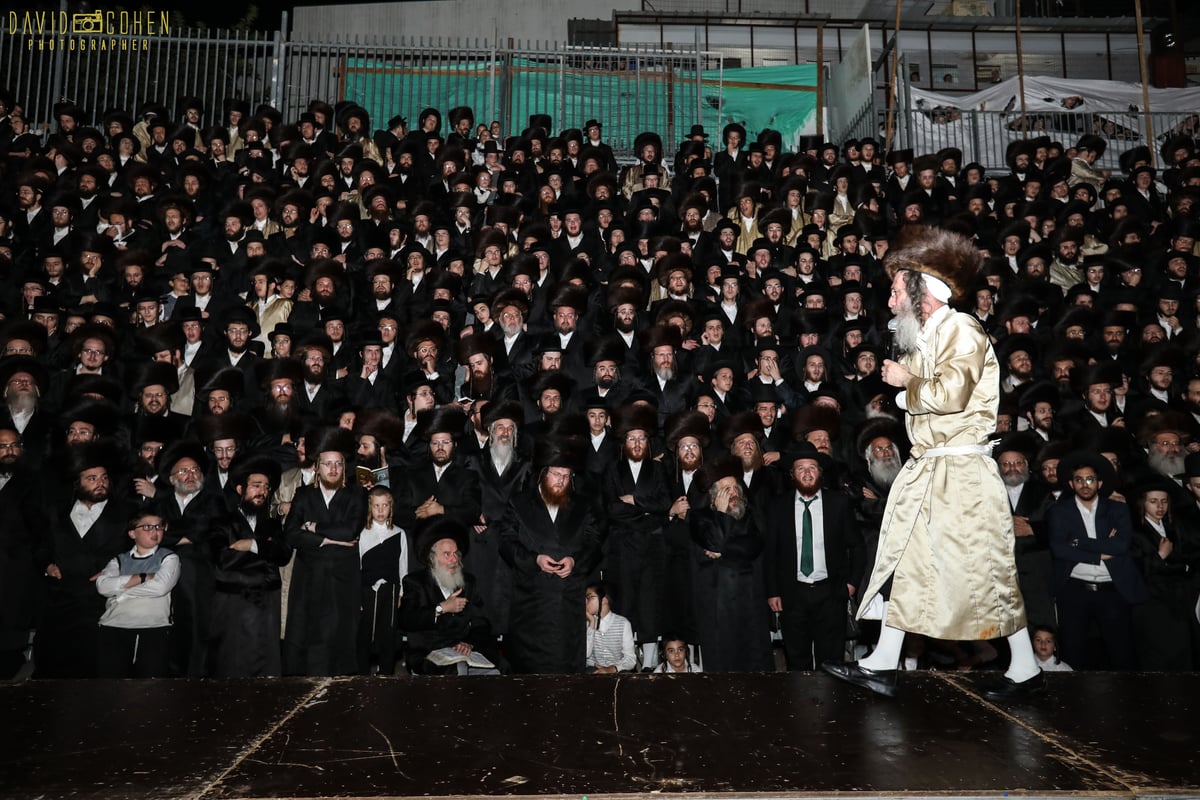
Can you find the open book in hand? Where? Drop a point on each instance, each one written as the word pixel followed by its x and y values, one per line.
pixel 446 656
pixel 372 477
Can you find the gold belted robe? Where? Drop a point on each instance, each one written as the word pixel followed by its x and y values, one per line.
pixel 947 534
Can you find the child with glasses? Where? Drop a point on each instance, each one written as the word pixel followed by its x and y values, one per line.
pixel 137 615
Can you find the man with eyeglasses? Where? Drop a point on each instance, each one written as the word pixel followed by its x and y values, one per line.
pixel 189 509
pixel 441 486
pixel 24 381
pixel 325 592
pixel 83 533
pixel 1028 500
pixel 22 508
pixel 1096 578
pixel 135 629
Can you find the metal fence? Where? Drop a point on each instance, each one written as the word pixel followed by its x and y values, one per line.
pixel 631 89
pixel 101 71
pixel 984 136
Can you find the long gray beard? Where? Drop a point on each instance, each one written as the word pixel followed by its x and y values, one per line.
pixel 667 374
pixel 908 332
pixel 884 473
pixel 1013 481
pixel 453 581
pixel 502 455
pixel 22 403
pixel 1166 465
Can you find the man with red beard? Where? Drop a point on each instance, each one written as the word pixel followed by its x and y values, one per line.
pixel 550 538
pixel 637 496
pixel 325 594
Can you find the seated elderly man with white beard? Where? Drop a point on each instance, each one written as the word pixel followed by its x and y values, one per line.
pixel 442 609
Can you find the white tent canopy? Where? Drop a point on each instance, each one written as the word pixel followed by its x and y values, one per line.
pixel 982 124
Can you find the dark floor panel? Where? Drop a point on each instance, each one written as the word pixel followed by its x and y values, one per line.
pixel 767 735
pixel 1144 727
pixel 777 734
pixel 132 739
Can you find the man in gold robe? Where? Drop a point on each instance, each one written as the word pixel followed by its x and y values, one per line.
pixel 945 566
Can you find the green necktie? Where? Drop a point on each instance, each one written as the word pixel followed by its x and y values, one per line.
pixel 806 539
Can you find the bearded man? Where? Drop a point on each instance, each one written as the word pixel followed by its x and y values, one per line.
pixel 189 511
pixel 323 526
pixel 443 608
pixel 687 434
pixel 248 550
pixel 945 566
pixel 727 574
pixel 550 539
pixel 637 497
pixel 84 532
pixel 25 380
pixel 501 473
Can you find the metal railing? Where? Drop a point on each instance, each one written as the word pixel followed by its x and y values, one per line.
pixel 630 89
pixel 984 136
pixel 101 71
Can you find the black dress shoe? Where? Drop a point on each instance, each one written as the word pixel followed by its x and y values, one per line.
pixel 879 681
pixel 1006 689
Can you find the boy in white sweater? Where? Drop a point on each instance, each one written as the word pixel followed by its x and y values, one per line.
pixel 137 616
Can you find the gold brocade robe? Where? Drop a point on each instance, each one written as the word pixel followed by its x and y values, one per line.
pixel 947 533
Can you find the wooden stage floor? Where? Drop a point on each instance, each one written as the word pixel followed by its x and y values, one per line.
pixel 769 736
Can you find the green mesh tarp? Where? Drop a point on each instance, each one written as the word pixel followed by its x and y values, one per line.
pixel 629 97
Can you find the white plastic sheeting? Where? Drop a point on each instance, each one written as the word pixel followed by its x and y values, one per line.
pixel 982 124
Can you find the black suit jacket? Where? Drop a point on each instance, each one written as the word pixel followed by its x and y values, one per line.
pixel 1070 545
pixel 458 491
pixel 427 630
pixel 843 542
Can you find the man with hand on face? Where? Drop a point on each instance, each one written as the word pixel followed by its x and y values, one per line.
pixel 727 578
pixel 247 549
pixel 442 606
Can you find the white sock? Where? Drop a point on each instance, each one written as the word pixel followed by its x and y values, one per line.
pixel 887 652
pixel 1023 664
pixel 650 654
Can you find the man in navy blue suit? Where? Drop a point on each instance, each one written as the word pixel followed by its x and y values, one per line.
pixel 1095 576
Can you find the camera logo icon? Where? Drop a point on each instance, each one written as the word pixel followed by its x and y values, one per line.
pixel 88 23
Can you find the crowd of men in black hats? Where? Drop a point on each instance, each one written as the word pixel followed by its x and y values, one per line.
pixel 261 337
